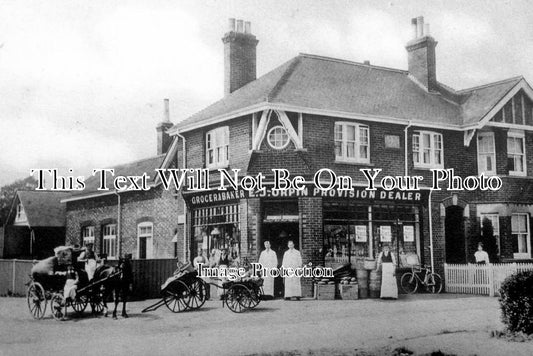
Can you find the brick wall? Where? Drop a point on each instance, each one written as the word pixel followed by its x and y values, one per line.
pixel 311 236
pixel 239 60
pixel 319 152
pixel 157 206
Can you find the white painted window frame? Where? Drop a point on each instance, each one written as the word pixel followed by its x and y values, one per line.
pixel 481 163
pixel 111 240
pixel 286 134
pixel 519 135
pixel 343 158
pixel 149 239
pixel 215 134
pixel 432 148
pixel 527 254
pixel 87 235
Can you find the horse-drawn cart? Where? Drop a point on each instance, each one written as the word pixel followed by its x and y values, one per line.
pixel 47 286
pixel 186 291
pixel 44 289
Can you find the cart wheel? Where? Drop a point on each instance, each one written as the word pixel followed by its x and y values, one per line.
pixel 57 306
pixel 177 296
pixel 255 293
pixel 36 298
pixel 80 303
pixel 238 298
pixel 97 303
pixel 198 293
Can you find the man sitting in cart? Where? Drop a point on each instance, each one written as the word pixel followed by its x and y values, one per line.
pixel 91 261
pixel 69 290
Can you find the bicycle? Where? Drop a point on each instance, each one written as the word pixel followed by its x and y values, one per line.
pixel 410 280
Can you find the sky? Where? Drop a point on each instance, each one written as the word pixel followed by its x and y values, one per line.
pixel 82 83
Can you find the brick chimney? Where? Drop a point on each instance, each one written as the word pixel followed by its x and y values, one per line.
pixel 239 55
pixel 421 55
pixel 163 138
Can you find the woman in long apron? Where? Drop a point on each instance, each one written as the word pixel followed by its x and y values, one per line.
pixel 387 264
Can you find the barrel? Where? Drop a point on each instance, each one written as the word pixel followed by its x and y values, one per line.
pixel 374 285
pixel 362 280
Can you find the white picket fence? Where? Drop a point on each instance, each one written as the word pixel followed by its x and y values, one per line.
pixel 480 279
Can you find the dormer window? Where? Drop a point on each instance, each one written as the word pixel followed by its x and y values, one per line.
pixel 217 147
pixel 21 214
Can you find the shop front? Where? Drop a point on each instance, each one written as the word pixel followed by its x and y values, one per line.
pixel 329 228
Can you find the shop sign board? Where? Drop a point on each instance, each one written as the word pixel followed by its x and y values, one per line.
pixel 216 197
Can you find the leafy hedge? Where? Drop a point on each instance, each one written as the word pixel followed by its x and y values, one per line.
pixel 516 301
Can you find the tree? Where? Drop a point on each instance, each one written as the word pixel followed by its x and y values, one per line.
pixel 7 193
pixel 489 240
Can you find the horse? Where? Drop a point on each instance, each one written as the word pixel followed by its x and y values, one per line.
pixel 118 282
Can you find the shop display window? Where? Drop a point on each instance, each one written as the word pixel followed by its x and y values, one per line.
pixel 353 231
pixel 216 228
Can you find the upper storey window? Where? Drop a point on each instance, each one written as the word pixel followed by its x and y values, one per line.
pixel 516 153
pixel 217 147
pixel 428 150
pixel 486 153
pixel 278 137
pixel 351 142
pixel 21 215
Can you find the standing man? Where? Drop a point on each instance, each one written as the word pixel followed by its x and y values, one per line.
pixel 269 260
pixel 292 259
pixel 89 257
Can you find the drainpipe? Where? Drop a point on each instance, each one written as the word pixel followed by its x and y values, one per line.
pixel 430 231
pixel 406 152
pixel 185 245
pixel 119 237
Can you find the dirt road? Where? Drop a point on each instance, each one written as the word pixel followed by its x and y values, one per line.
pixel 454 324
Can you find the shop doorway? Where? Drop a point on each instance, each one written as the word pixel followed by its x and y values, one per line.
pixel 279 235
pixel 455 235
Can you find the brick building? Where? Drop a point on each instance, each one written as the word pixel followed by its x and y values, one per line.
pixel 146 224
pixel 316 112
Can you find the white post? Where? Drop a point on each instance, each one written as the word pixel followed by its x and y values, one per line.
pixel 491 280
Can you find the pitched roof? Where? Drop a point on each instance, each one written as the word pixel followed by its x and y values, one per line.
pixel 480 100
pixel 43 208
pixel 136 168
pixel 339 86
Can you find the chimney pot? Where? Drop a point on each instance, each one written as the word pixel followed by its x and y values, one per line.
pixel 414 27
pixel 239 56
pixel 231 24
pixel 421 56
pixel 163 138
pixel 240 26
pixel 167 111
pixel 426 29
pixel 420 26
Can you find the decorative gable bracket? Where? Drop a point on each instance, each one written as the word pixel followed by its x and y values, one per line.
pixel 259 130
pixel 468 135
